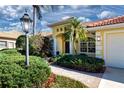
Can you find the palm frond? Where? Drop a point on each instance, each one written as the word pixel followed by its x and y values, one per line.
pixel 76 32
pixel 38 11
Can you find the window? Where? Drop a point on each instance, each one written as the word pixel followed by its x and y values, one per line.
pixel 87 47
pixel 83 46
pixel 11 44
pixel 3 44
pixel 91 47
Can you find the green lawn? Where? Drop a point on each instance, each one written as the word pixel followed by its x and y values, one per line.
pixel 64 82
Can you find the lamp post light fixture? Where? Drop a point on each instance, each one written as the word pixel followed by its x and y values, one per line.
pixel 26 23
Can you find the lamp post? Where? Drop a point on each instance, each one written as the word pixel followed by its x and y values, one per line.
pixel 26 22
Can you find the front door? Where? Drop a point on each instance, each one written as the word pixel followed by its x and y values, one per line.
pixel 67 47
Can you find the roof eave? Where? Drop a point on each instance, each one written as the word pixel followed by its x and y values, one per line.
pixel 61 22
pixel 106 27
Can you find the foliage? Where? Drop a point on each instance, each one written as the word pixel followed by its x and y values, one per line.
pixel 13 72
pixel 10 51
pixel 65 82
pixel 80 62
pixel 36 43
pixel 76 32
pixel 40 46
pixel 20 42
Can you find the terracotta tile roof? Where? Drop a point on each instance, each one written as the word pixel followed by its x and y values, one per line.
pixel 110 21
pixel 10 34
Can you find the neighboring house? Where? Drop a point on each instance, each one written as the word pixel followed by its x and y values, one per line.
pixel 106 40
pixel 8 39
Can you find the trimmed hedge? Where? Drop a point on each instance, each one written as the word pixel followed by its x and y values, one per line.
pixel 10 51
pixel 13 72
pixel 80 62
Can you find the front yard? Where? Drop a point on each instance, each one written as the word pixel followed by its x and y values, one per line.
pixel 14 73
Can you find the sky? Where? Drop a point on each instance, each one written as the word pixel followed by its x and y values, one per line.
pixel 10 15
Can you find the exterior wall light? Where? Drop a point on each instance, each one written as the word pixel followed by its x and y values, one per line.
pixel 98 38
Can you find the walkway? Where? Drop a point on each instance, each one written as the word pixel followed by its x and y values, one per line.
pixel 90 79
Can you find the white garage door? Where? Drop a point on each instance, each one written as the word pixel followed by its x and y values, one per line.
pixel 115 50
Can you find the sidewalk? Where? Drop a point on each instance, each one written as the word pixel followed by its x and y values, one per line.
pixel 92 80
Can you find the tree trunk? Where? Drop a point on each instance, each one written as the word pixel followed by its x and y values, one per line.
pixel 34 20
pixel 74 47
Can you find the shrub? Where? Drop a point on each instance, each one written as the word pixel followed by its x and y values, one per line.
pixel 39 45
pixel 10 51
pixel 13 72
pixel 20 42
pixel 80 62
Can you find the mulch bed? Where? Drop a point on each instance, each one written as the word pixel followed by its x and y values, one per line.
pixel 50 80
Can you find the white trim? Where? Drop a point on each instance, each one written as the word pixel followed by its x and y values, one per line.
pixel 71 46
pixel 54 45
pixel 105 35
pixel 106 27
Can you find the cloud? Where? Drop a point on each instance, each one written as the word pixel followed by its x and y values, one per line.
pixel 45 29
pixel 106 14
pixel 66 17
pixel 10 16
pixel 84 19
pixel 44 22
pixel 15 24
pixel 13 12
pixel 61 7
pixel 75 6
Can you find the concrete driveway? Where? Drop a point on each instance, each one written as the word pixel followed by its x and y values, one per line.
pixel 112 78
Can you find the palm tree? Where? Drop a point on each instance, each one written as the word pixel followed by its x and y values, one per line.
pixel 75 32
pixel 37 14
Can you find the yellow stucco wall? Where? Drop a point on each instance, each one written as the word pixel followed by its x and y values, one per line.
pixel 100 52
pixel 60 40
pixel 55 32
pixel 60 43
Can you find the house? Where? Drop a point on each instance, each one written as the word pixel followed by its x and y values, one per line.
pixel 8 39
pixel 45 34
pixel 106 40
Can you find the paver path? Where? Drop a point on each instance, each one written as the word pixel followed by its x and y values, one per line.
pixel 112 78
pixel 90 79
